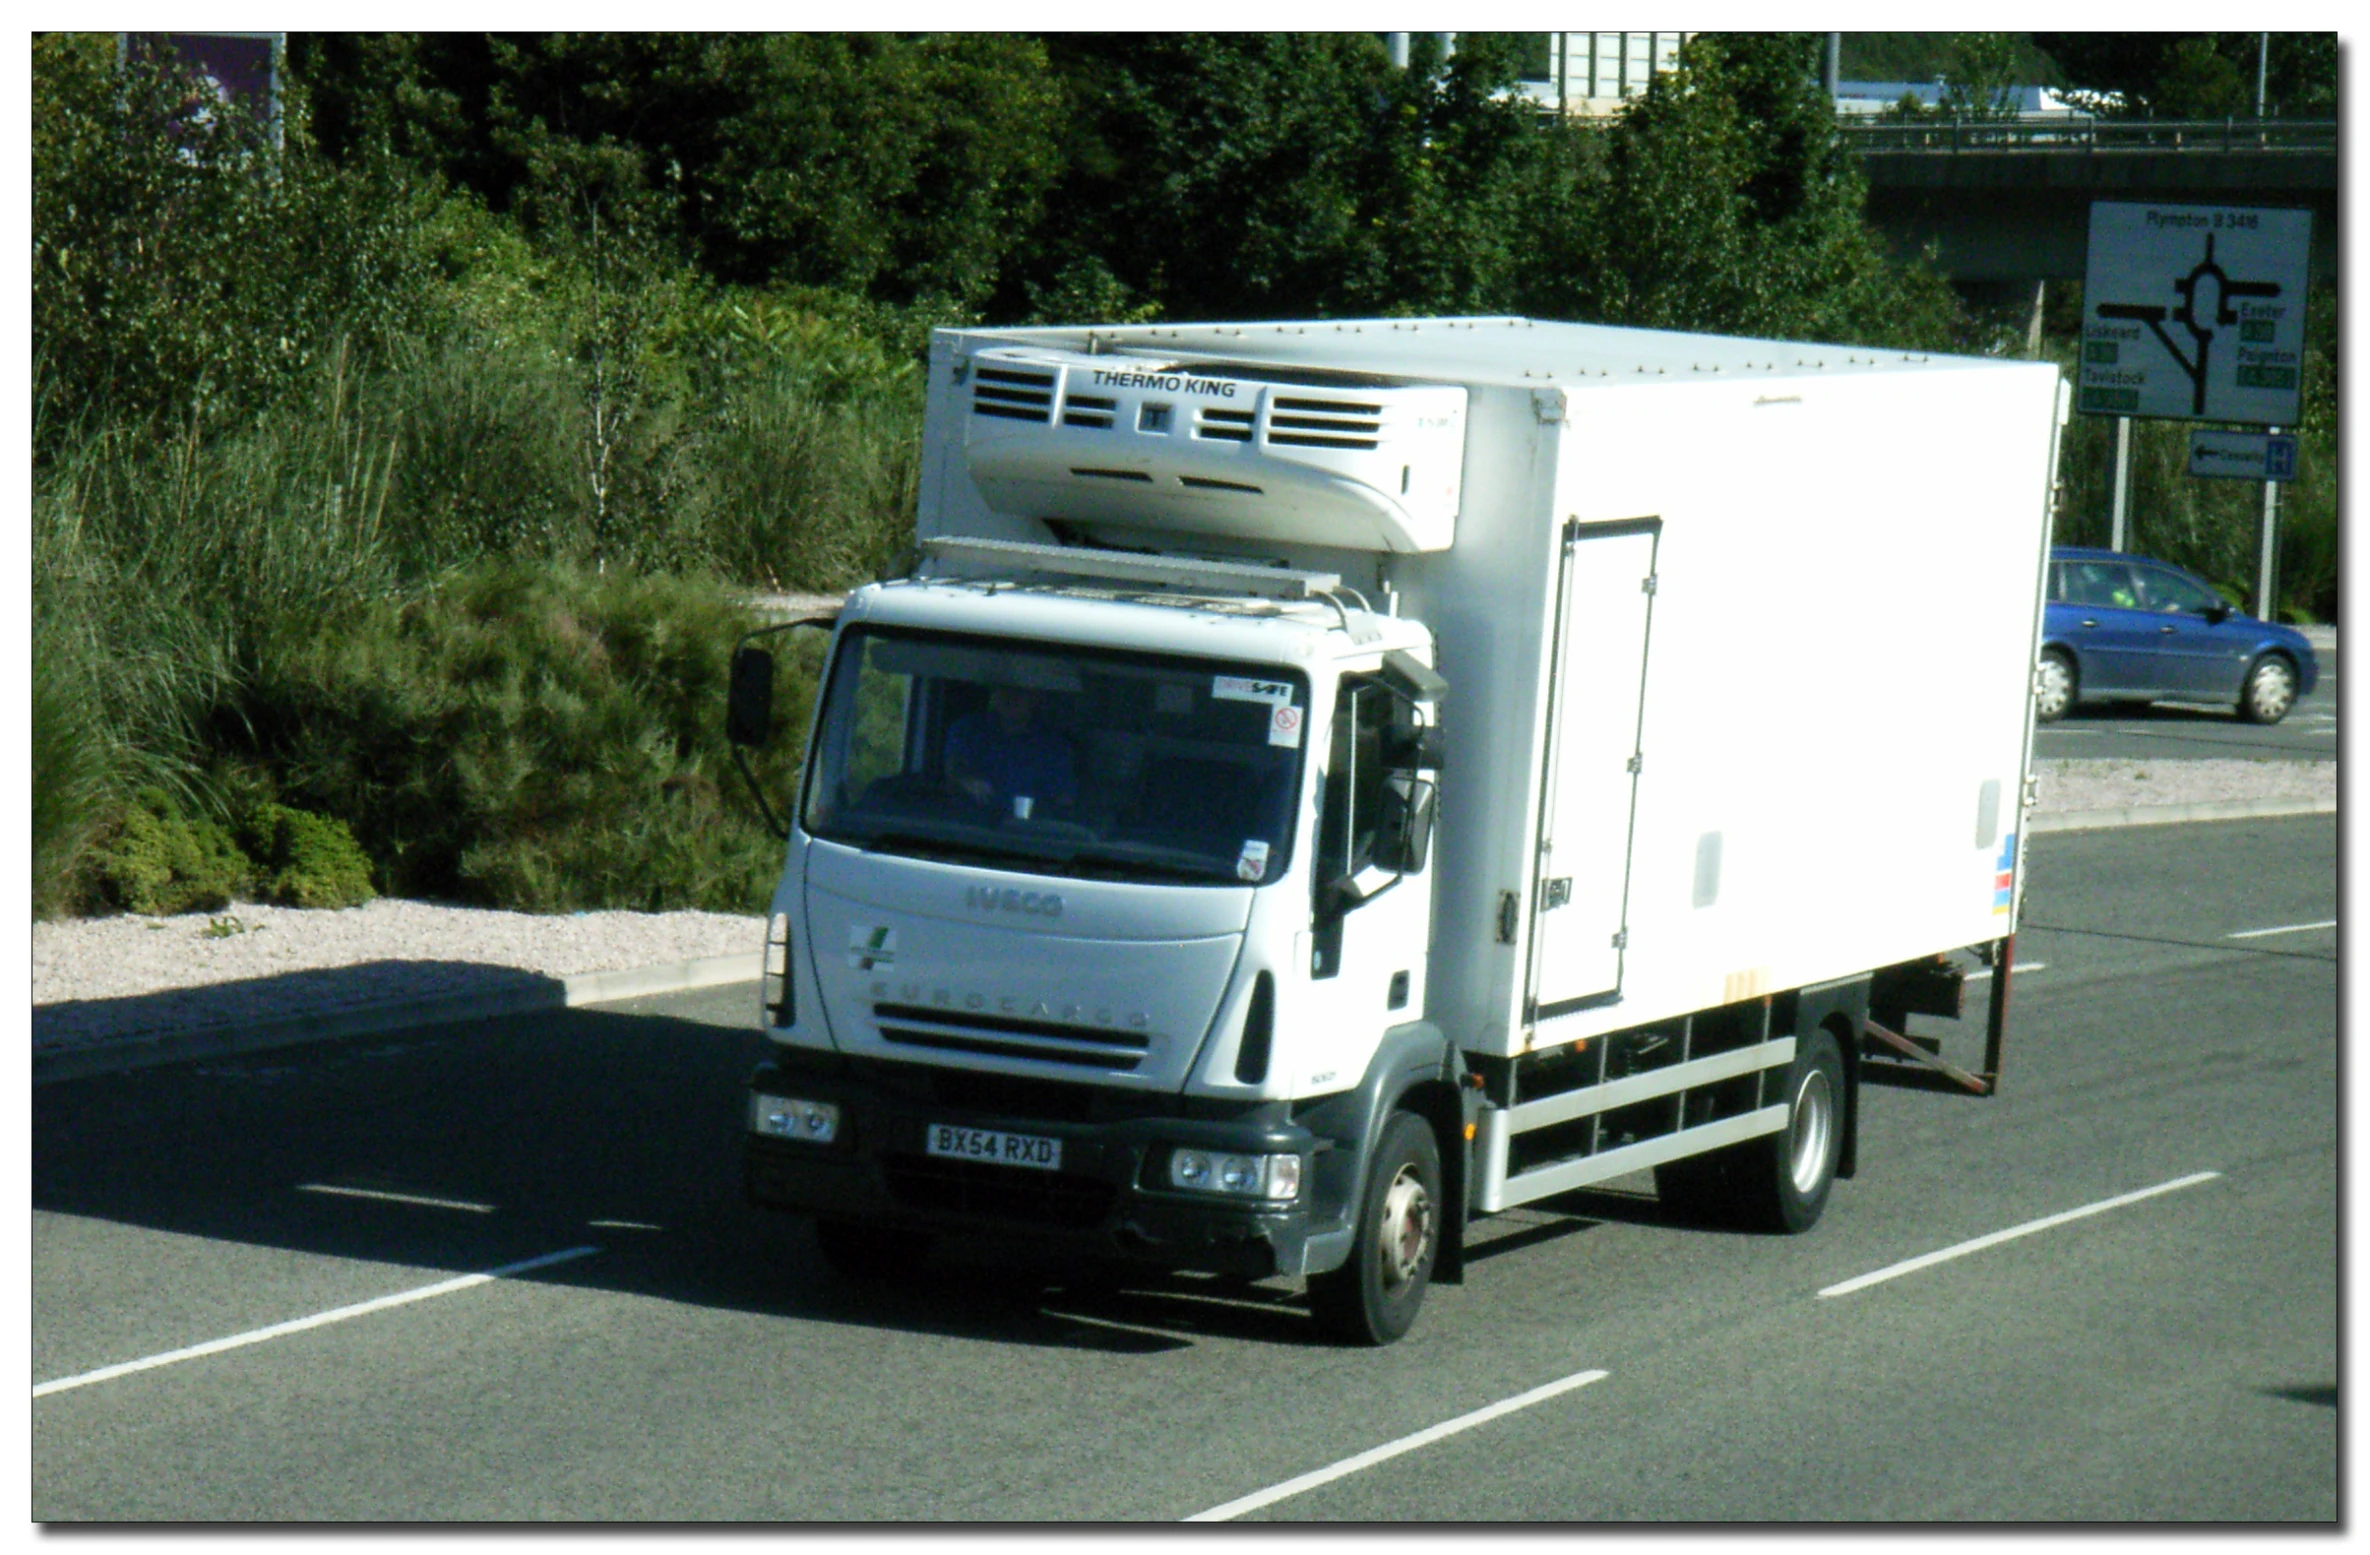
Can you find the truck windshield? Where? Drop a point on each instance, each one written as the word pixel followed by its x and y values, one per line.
pixel 1057 759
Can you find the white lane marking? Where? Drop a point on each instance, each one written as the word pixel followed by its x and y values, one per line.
pixel 2021 966
pixel 1911 1266
pixel 394 1198
pixel 299 1325
pixel 1390 1450
pixel 2285 928
pixel 623 1225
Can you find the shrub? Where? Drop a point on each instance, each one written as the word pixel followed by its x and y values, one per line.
pixel 159 862
pixel 306 860
pixel 531 737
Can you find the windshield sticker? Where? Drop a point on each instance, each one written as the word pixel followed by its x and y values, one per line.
pixel 1252 865
pixel 1283 727
pixel 1235 688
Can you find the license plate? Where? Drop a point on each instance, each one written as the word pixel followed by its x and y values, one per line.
pixel 988 1144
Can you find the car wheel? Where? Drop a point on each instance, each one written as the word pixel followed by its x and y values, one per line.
pixel 1374 1297
pixel 2270 691
pixel 2054 684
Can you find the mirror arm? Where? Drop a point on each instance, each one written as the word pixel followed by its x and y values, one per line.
pixel 773 823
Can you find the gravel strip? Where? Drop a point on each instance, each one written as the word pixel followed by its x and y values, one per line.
pixel 98 980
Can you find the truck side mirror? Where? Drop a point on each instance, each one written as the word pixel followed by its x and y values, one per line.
pixel 749 703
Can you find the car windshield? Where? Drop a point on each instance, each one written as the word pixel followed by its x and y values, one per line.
pixel 1057 759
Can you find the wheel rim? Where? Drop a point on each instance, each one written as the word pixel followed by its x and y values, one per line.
pixel 2056 688
pixel 1406 1229
pixel 2275 688
pixel 1813 1130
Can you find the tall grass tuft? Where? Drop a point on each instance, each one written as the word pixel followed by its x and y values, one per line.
pixel 532 736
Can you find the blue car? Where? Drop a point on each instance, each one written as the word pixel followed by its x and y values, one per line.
pixel 2121 628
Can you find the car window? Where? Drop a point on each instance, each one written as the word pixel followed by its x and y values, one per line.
pixel 2162 589
pixel 2100 583
pixel 2057 582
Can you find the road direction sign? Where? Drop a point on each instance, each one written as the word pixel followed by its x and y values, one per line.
pixel 2194 312
pixel 2242 456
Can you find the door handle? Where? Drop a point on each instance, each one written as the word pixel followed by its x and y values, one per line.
pixel 1555 893
pixel 2168 630
pixel 2090 623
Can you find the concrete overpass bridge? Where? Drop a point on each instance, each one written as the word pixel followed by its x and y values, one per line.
pixel 2009 201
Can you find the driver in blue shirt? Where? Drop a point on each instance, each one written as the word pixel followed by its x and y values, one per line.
pixel 1004 754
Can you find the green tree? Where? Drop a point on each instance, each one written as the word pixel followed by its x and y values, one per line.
pixel 2168 75
pixel 1726 201
pixel 185 268
pixel 904 168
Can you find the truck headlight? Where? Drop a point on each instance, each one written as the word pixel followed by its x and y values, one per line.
pixel 1239 1176
pixel 784 1117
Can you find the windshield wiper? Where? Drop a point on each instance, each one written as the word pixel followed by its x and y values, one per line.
pixel 1130 864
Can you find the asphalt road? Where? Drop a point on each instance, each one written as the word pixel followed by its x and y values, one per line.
pixel 2167 731
pixel 2172 1356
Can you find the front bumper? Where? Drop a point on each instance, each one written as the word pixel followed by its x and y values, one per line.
pixel 1109 1200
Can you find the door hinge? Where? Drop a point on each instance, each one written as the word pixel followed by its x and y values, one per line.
pixel 1549 404
pixel 1555 893
pixel 1636 763
pixel 1648 583
pixel 1621 939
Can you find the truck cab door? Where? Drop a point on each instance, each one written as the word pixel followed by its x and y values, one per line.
pixel 1595 725
pixel 1371 913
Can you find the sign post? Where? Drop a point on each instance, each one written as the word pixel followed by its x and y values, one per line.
pixel 2196 313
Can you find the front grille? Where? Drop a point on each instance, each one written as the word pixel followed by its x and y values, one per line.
pixel 1004 1036
pixel 1014 1193
pixel 1017 396
pixel 1307 423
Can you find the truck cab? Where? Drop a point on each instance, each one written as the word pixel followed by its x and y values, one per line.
pixel 1106 916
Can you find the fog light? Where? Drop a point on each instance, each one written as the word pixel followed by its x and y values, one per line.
pixel 1189 1169
pixel 784 1117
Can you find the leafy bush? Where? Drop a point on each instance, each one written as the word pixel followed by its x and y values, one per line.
pixel 530 737
pixel 305 860
pixel 158 861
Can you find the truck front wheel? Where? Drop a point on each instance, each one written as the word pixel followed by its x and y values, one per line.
pixel 1373 1299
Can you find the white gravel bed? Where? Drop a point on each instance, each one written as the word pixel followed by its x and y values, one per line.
pixel 96 980
pixel 2120 784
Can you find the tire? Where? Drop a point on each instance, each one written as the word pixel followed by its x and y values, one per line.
pixel 2054 685
pixel 2270 690
pixel 1782 1181
pixel 1373 1298
pixel 860 1252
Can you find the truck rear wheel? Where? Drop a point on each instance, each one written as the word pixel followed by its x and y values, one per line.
pixel 1373 1299
pixel 1782 1181
pixel 860 1252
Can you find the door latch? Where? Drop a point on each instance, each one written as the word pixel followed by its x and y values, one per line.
pixel 1555 893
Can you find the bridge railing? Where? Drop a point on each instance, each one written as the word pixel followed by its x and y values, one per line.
pixel 2075 132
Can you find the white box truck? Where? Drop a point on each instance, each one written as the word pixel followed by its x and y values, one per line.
pixel 1325 782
